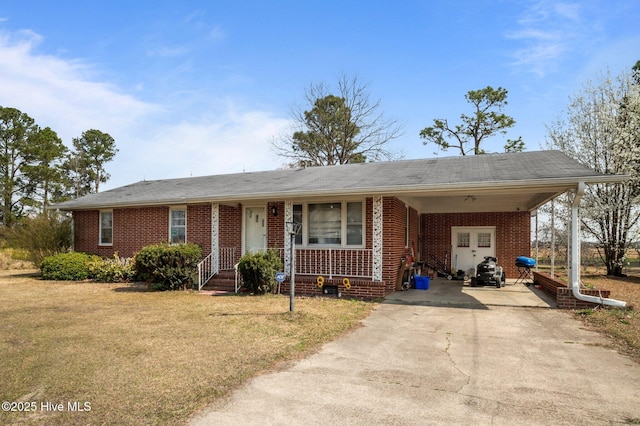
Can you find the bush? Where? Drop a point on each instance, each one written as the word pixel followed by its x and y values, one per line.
pixel 168 267
pixel 115 269
pixel 259 271
pixel 41 236
pixel 14 259
pixel 68 266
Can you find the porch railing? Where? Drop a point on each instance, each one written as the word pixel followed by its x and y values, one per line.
pixel 206 270
pixel 331 262
pixel 328 262
pixel 227 258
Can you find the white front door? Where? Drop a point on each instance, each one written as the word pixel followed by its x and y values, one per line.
pixel 471 245
pixel 255 225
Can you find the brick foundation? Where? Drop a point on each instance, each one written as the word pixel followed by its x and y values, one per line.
pixel 360 288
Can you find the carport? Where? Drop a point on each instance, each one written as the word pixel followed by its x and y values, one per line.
pixel 452 293
pixel 502 187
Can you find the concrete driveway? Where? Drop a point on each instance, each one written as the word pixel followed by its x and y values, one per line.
pixel 460 294
pixel 448 355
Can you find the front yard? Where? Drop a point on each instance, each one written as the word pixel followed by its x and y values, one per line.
pixel 87 353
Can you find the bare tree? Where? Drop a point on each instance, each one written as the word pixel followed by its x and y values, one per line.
pixel 340 128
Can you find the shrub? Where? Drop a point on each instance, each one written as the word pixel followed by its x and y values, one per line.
pixel 41 236
pixel 168 267
pixel 259 271
pixel 112 270
pixel 68 266
pixel 14 259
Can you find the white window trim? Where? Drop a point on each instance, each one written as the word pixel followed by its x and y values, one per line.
pixel 343 224
pixel 100 243
pixel 178 208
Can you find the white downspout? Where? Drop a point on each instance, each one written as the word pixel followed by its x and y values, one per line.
pixel 575 255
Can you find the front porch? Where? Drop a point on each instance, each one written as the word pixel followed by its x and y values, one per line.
pixel 333 264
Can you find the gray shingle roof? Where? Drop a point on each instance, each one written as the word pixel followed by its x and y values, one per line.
pixel 532 168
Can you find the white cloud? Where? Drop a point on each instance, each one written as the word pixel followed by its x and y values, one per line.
pixel 155 141
pixel 535 34
pixel 217 33
pixel 167 52
pixel 61 94
pixel 229 142
pixel 568 10
pixel 546 32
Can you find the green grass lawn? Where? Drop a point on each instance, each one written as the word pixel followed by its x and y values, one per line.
pixel 126 355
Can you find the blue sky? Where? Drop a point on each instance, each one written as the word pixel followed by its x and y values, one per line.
pixel 190 88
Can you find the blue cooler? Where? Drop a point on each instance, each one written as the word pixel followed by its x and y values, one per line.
pixel 525 262
pixel 422 283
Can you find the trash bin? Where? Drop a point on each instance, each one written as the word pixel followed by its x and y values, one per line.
pixel 422 283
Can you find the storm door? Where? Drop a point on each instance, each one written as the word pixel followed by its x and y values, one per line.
pixel 255 225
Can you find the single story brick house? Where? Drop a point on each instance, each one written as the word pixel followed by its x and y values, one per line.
pixel 357 220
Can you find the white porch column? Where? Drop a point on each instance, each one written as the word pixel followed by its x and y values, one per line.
pixel 377 238
pixel 215 232
pixel 288 218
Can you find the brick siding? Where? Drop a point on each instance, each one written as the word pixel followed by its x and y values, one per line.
pixel 199 226
pixel 230 228
pixel 275 225
pixel 87 231
pixel 134 228
pixel 394 239
pixel 513 235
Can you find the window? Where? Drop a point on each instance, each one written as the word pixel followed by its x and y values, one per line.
pixel 463 239
pixel 178 226
pixel 484 239
pixel 325 223
pixel 330 224
pixel 297 218
pixel 354 224
pixel 106 228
